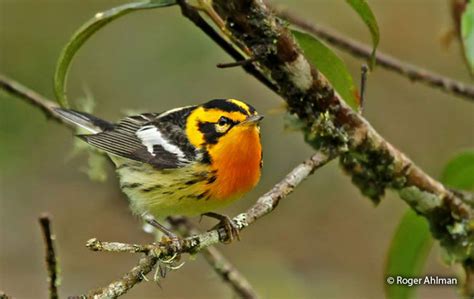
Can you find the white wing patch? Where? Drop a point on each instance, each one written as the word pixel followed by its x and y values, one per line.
pixel 151 136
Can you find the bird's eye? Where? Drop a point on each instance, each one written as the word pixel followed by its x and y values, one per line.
pixel 223 125
pixel 223 121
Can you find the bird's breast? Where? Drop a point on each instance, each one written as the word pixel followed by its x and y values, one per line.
pixel 236 160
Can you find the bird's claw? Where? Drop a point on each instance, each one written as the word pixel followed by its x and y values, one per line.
pixel 232 230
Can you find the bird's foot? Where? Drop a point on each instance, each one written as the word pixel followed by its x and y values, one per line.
pixel 174 245
pixel 232 230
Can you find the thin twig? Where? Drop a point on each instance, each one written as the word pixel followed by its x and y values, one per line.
pixel 218 262
pixel 16 89
pixel 358 49
pixel 236 63
pixel 51 261
pixel 363 84
pixel 96 245
pixel 130 279
pixel 229 273
pixel 222 266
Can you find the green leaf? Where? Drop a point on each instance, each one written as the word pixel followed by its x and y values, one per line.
pixel 467 34
pixel 332 67
pixel 459 172
pixel 412 240
pixel 85 32
pixel 364 11
pixel 407 254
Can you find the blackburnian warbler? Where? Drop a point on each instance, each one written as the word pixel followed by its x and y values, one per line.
pixel 185 161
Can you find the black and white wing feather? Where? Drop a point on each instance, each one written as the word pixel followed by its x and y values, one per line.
pixel 155 139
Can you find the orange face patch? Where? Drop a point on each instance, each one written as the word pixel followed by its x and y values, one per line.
pixel 236 159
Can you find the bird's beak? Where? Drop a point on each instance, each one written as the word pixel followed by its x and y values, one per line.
pixel 251 120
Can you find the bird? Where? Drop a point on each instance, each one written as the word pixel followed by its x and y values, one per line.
pixel 186 161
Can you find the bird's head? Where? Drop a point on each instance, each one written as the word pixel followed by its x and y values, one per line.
pixel 222 123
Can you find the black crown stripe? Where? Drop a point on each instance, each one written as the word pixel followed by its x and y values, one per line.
pixel 224 105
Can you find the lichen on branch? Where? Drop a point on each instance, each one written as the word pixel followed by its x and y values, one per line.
pixel 330 125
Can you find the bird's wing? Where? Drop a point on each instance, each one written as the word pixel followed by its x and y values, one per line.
pixel 155 139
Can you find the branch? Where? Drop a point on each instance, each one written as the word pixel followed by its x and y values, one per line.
pixel 124 284
pixel 358 49
pixel 229 274
pixel 18 90
pixel 51 261
pixel 217 261
pixel 96 245
pixel 250 68
pixel 196 243
pixel 329 124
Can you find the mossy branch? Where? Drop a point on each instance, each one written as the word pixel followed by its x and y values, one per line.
pixel 357 49
pixel 330 125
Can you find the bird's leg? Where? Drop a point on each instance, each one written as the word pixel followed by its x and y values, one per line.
pixel 166 265
pixel 174 239
pixel 231 229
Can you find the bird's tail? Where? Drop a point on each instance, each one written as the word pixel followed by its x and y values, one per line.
pixel 84 120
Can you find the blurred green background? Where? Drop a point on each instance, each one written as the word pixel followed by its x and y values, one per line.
pixel 324 241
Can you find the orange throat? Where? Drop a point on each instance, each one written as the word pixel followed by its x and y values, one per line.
pixel 237 160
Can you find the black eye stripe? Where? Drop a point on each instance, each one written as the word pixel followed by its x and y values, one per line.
pixel 208 129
